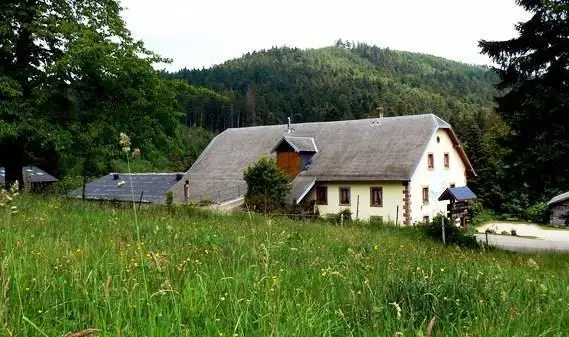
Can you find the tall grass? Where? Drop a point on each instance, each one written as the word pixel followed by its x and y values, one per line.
pixel 67 266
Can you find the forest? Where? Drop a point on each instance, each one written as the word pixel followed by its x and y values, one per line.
pixel 72 78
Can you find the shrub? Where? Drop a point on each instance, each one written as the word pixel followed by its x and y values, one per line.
pixel 262 204
pixel 346 213
pixel 267 186
pixel 65 185
pixel 453 234
pixel 479 214
pixel 205 202
pixel 538 213
pixel 169 198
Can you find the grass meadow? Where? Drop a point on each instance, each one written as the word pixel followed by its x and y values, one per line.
pixel 68 266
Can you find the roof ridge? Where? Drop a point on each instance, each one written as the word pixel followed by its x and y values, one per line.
pixel 306 137
pixel 414 116
pixel 146 173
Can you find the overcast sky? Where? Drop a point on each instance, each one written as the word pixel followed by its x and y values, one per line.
pixel 201 33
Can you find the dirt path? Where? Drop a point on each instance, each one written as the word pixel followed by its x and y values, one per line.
pixel 530 230
pixel 531 238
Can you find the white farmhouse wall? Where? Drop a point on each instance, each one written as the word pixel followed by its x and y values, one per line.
pixel 437 179
pixel 392 200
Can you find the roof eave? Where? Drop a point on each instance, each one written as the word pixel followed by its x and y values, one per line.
pixel 306 191
pixel 461 151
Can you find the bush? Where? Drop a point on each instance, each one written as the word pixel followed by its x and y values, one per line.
pixel 479 214
pixel 346 213
pixel 453 234
pixel 538 213
pixel 262 204
pixel 205 202
pixel 169 199
pixel 267 186
pixel 65 185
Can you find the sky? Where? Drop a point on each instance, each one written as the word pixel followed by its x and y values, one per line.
pixel 202 33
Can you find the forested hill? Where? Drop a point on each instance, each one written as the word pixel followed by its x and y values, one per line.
pixel 340 82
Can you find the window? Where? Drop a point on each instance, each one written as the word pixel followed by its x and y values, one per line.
pixel 376 220
pixel 447 161
pixel 376 197
pixel 344 196
pixel 426 219
pixel 322 195
pixel 431 161
pixel 425 195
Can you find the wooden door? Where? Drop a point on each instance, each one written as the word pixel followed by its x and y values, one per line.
pixel 289 162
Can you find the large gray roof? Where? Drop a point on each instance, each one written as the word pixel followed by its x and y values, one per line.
pixel 152 186
pixel 366 149
pixel 36 174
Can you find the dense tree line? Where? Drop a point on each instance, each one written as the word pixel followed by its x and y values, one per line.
pixel 534 73
pixel 338 82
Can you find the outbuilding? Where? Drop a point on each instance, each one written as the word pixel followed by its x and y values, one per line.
pixel 559 210
pixel 35 179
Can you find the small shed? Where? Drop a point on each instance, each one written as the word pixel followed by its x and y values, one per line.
pixel 559 210
pixel 455 194
pixel 147 187
pixel 34 178
pixel 458 197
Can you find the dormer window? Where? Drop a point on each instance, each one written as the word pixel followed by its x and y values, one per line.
pixel 294 154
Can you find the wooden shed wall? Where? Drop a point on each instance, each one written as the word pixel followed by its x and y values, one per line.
pixel 559 212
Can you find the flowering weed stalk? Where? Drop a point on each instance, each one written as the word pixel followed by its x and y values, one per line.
pixel 125 143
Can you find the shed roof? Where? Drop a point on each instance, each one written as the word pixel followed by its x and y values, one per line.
pixel 299 144
pixel 37 175
pixel 152 186
pixel 461 193
pixel 301 185
pixel 558 198
pixel 367 149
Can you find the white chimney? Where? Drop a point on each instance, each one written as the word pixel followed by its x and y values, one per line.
pixel 289 129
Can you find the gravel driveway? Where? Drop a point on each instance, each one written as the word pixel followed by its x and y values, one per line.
pixel 543 239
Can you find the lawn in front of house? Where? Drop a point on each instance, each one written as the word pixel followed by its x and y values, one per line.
pixel 67 266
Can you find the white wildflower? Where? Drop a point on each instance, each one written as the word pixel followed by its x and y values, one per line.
pixel 397 309
pixel 124 142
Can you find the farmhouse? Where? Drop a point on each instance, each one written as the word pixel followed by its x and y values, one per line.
pixel 559 210
pixel 392 168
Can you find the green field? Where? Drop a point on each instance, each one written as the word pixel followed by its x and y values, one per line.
pixel 68 266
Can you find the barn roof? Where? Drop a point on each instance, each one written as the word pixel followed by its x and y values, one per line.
pixel 36 174
pixel 152 186
pixel 367 149
pixel 558 198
